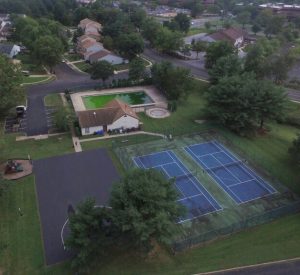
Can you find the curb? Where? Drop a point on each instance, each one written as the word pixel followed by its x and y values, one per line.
pixel 248 266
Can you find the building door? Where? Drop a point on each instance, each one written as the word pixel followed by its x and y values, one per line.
pixel 105 128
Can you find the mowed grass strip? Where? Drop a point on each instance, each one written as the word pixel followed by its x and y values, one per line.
pixel 53 100
pixel 270 242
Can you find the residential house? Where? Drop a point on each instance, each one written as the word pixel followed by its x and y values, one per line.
pixel 116 115
pixel 107 56
pixel 88 23
pixel 10 50
pixel 234 36
pixel 82 42
pixel 89 48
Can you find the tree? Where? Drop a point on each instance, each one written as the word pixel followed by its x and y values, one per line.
pixel 207 25
pixel 294 150
pixel 271 102
pixel 48 50
pixel 137 17
pixel 198 46
pixel 259 58
pixel 11 93
pixel 173 82
pixel 144 206
pixel 63 119
pixel 243 18
pixel 129 45
pixel 242 103
pixel 150 29
pixel 136 69
pixel 183 22
pixel 91 232
pixel 215 51
pixel 256 28
pixel 102 69
pixel 168 41
pixel 225 66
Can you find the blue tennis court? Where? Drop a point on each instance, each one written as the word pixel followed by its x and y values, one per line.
pixel 193 195
pixel 237 180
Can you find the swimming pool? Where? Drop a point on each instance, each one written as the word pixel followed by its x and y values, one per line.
pixel 131 98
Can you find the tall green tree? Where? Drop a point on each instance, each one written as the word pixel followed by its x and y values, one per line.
pixel 183 21
pixel 48 51
pixel 137 69
pixel 244 18
pixel 215 51
pixel 168 41
pixel 91 233
pixel 102 69
pixel 174 82
pixel 294 150
pixel 144 206
pixel 11 93
pixel 130 45
pixel 242 103
pixel 225 66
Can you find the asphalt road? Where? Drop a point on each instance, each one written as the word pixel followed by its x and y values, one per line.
pixel 66 79
pixel 196 66
pixel 293 95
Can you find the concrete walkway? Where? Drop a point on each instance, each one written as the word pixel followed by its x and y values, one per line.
pixel 75 140
pixel 123 135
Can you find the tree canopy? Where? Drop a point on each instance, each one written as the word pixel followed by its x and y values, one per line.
pixel 174 82
pixel 243 103
pixel 144 206
pixel 102 69
pixel 136 69
pixel 91 232
pixel 11 93
pixel 294 150
pixel 215 51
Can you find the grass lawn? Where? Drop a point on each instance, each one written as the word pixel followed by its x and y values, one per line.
pixel 72 57
pixel 29 65
pixel 21 250
pixel 31 80
pixel 193 31
pixel 119 67
pixel 53 100
pixel 20 237
pixel 274 241
pixel 83 66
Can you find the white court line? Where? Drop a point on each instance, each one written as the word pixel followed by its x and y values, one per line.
pixel 196 184
pixel 190 197
pixel 66 222
pixel 224 188
pixel 252 174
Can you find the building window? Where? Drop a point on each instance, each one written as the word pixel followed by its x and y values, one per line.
pixel 87 130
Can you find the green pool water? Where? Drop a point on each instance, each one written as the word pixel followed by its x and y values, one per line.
pixel 131 98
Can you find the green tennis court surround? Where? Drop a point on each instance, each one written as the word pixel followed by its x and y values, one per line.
pixel 131 98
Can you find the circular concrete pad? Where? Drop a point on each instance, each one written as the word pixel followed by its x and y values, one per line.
pixel 158 113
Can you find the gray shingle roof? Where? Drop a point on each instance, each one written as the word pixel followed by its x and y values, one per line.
pixel 6 48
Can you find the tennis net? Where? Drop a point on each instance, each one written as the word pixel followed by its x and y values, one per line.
pixel 228 165
pixel 185 176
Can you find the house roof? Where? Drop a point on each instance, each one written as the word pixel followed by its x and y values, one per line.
pixel 84 37
pixel 6 48
pixel 230 34
pixel 88 22
pixel 107 115
pixel 98 55
pixel 88 43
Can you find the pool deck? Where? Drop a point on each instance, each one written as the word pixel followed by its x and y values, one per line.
pixel 156 96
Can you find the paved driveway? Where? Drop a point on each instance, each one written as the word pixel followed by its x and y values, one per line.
pixel 64 181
